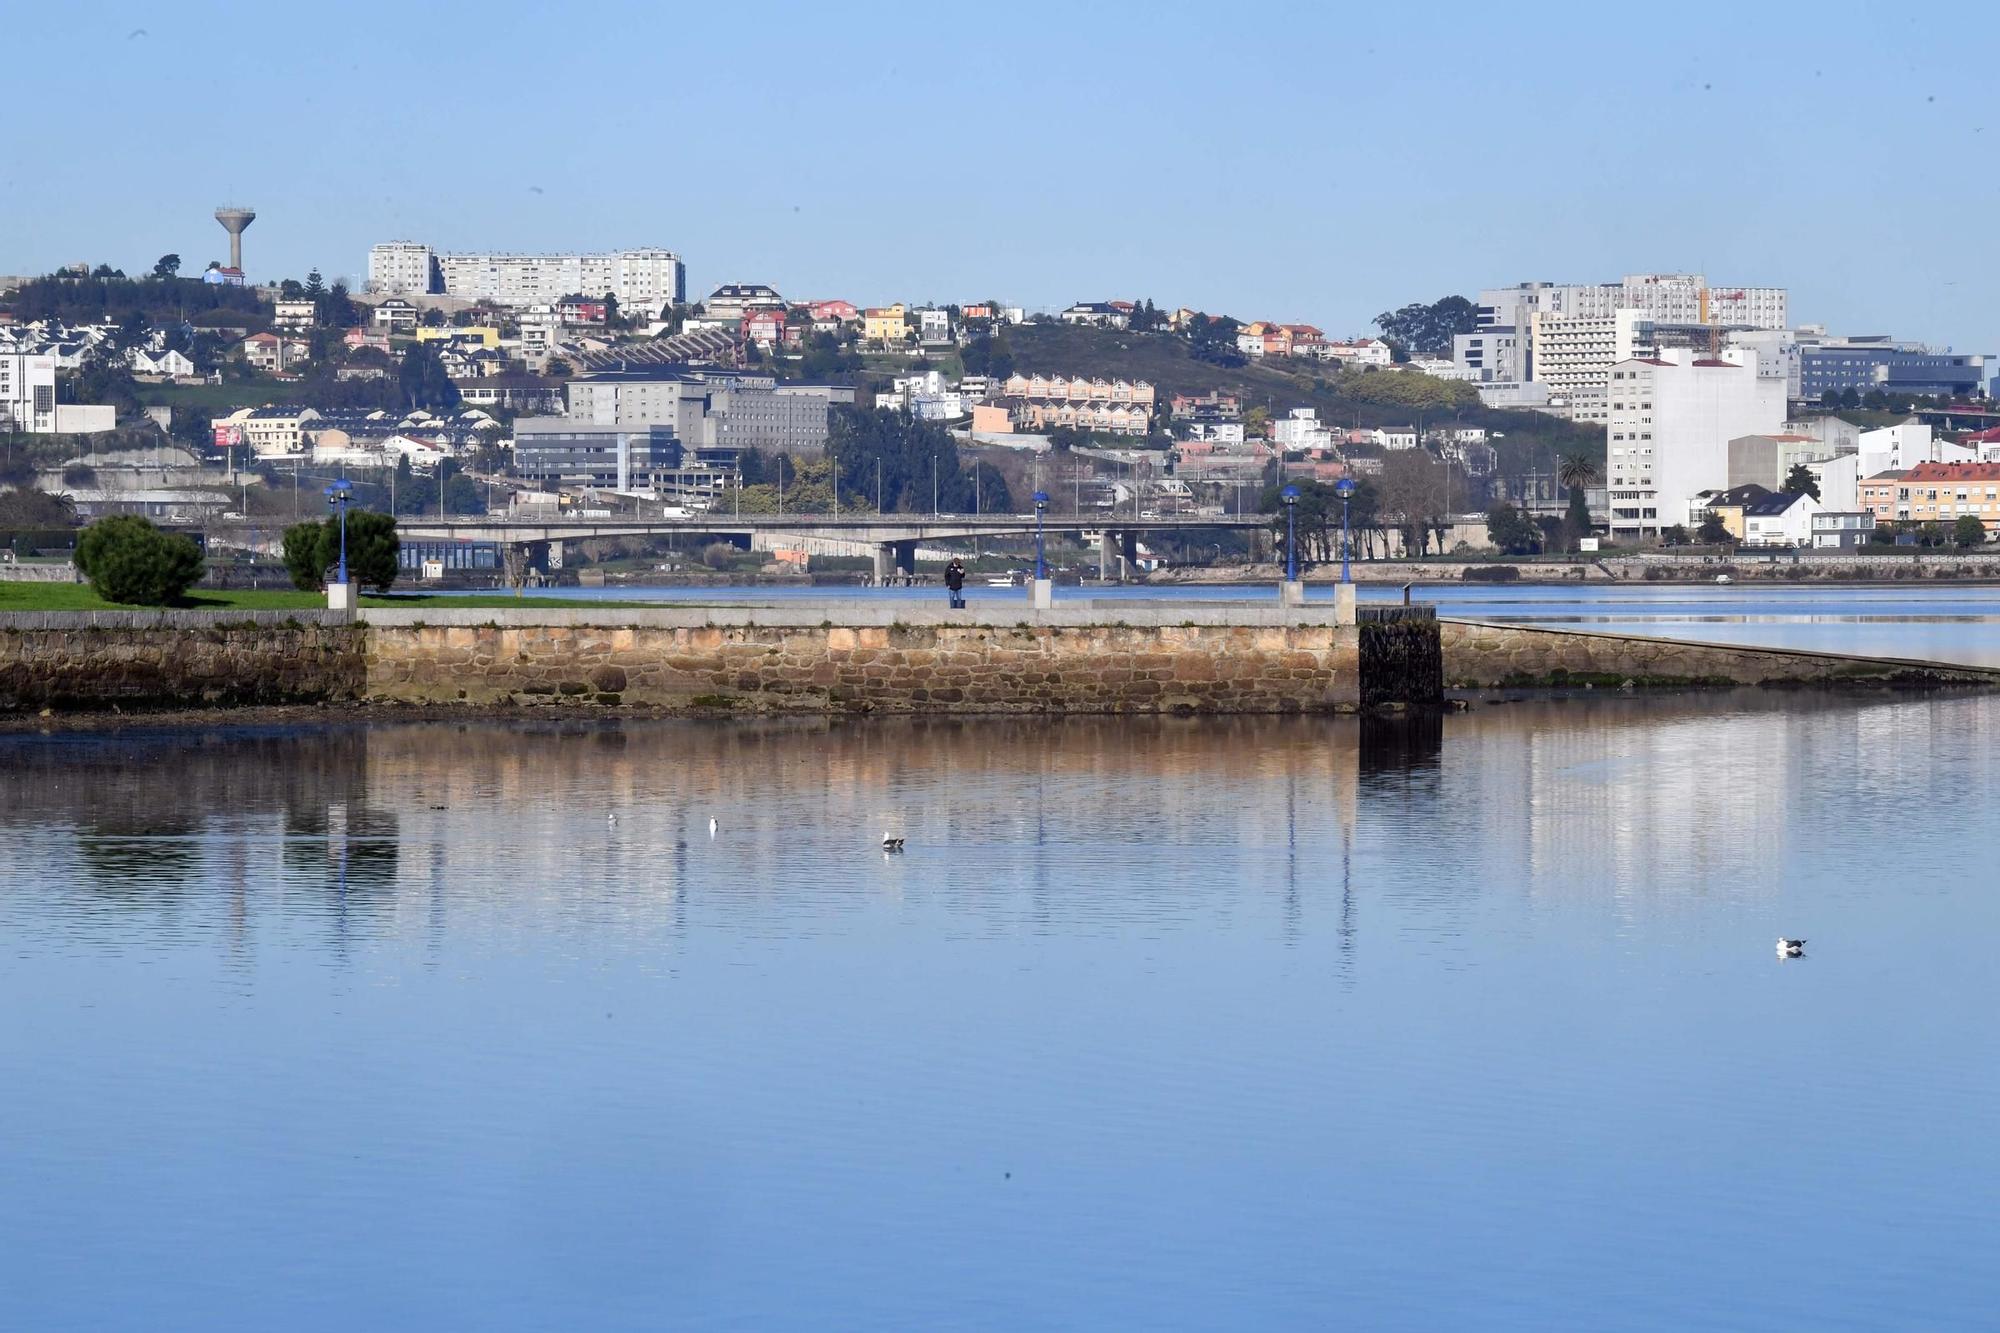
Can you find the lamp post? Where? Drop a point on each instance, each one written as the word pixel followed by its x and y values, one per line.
pixel 337 497
pixel 1290 495
pixel 1041 508
pixel 1344 488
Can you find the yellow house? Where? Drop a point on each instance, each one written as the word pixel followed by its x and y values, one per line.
pixel 885 324
pixel 485 335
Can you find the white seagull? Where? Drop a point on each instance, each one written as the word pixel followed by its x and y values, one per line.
pixel 714 827
pixel 611 818
pixel 1790 948
pixel 891 844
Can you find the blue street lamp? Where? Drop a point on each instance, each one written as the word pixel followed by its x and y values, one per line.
pixel 1290 495
pixel 337 496
pixel 1041 508
pixel 1344 488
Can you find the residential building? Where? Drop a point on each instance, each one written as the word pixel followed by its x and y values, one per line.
pixel 1779 519
pixel 1659 298
pixel 1935 493
pixel 1842 529
pixel 27 393
pixel 274 355
pixel 1495 354
pixel 1727 506
pixel 1573 355
pixel 582 312
pixel 934 327
pixel 833 312
pixel 166 363
pixel 394 316
pixel 293 314
pixel 1869 364
pixel 1768 460
pixel 710 408
pixel 888 325
pixel 403 266
pixel 267 432
pixel 1906 445
pixel 1353 351
pixel 1670 421
pixel 1300 431
pixel 1099 314
pixel 562 451
pixel 768 328
pixel 643 280
pixel 732 301
pixel 1393 437
pixel 1046 402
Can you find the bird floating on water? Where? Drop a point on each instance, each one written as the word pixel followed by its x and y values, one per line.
pixel 891 844
pixel 1790 948
pixel 714 826
pixel 611 818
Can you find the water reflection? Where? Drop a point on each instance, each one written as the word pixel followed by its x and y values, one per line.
pixel 1473 1012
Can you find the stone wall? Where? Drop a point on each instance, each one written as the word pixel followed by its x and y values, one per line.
pixel 983 668
pixel 1481 655
pixel 160 665
pixel 1401 657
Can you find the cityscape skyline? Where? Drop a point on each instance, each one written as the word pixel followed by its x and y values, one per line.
pixel 940 205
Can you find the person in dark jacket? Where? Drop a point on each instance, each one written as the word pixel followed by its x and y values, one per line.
pixel 954 581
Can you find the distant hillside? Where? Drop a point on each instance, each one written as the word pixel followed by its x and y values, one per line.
pixel 1532 439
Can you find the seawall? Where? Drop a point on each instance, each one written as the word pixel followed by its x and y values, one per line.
pixel 1478 654
pixel 829 658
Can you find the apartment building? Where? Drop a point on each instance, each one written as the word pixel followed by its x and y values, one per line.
pixel 1662 298
pixel 711 409
pixel 1670 421
pixel 269 432
pixel 1046 402
pixel 1934 493
pixel 27 393
pixel 888 324
pixel 1573 355
pixel 644 281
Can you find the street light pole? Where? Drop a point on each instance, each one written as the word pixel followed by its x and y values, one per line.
pixel 1290 495
pixel 337 496
pixel 1345 489
pixel 1041 507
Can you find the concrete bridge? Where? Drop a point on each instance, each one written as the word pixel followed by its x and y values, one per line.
pixel 895 536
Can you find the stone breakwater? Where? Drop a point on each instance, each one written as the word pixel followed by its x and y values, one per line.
pixel 179 660
pixel 885 668
pixel 1478 655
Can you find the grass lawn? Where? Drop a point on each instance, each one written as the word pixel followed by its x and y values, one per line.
pixel 79 597
pixel 214 398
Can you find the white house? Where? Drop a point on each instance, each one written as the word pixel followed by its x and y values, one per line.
pixel 172 364
pixel 1779 519
pixel 1393 437
pixel 1299 429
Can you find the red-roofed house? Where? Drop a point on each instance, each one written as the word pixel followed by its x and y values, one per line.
pixel 1936 493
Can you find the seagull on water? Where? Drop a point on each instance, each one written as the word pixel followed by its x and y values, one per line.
pixel 891 844
pixel 1790 948
pixel 714 826
pixel 611 818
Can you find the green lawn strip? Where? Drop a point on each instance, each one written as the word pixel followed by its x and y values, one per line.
pixel 80 597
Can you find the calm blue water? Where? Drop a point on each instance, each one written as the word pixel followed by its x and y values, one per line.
pixel 1202 1024
pixel 1934 623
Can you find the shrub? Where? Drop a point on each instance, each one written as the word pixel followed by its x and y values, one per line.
pixel 129 560
pixel 1490 574
pixel 312 549
pixel 718 555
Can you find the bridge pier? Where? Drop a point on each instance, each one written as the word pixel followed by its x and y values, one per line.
pixel 1104 546
pixel 885 563
pixel 1128 554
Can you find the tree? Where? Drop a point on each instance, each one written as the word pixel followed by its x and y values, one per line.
pixel 1577 472
pixel 315 286
pixel 1968 531
pixel 1674 534
pixel 1511 532
pixel 167 266
pixel 1213 339
pixel 423 380
pixel 305 558
pixel 1829 398
pixel 1801 481
pixel 129 560
pixel 1713 531
pixel 1427 330
pixel 1850 397
pixel 311 549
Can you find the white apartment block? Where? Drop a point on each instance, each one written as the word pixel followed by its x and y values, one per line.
pixel 643 280
pixel 1662 298
pixel 1573 355
pixel 1300 430
pixel 400 267
pixel 1671 418
pixel 1494 355
pixel 27 393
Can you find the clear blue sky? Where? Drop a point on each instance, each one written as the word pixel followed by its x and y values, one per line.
pixel 1314 162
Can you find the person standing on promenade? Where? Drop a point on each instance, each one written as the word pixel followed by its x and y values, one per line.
pixel 954 582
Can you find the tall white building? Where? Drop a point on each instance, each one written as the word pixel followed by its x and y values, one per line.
pixel 1671 418
pixel 645 280
pixel 401 267
pixel 1660 298
pixel 27 393
pixel 1573 355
